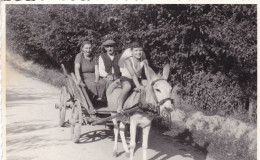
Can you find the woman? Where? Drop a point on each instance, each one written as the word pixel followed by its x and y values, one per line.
pixel 86 65
pixel 131 73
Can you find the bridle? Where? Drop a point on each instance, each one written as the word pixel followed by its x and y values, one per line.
pixel 159 103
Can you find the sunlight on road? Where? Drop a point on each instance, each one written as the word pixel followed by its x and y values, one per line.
pixel 33 131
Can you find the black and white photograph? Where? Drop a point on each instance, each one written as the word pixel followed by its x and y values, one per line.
pixel 128 80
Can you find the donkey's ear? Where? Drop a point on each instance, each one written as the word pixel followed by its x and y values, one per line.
pixel 166 71
pixel 160 74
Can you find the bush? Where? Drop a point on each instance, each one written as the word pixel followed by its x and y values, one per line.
pixel 215 39
pixel 214 92
pixel 51 76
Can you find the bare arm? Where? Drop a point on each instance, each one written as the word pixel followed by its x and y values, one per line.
pixel 96 73
pixel 101 67
pixel 146 70
pixel 132 73
pixel 77 67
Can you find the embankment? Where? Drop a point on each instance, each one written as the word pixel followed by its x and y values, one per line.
pixel 222 137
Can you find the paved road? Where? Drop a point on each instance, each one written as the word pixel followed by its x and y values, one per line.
pixel 33 132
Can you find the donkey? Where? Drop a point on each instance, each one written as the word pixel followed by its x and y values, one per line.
pixel 157 93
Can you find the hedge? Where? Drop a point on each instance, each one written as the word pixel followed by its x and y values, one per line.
pixel 211 48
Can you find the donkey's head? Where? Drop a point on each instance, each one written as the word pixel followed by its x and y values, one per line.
pixel 159 90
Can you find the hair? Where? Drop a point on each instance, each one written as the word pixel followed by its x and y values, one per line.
pixel 84 43
pixel 136 44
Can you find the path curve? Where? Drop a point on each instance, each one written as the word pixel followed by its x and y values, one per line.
pixel 33 132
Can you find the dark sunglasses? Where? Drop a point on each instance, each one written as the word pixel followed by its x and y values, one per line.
pixel 109 46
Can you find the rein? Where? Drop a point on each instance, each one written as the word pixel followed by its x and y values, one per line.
pixel 163 100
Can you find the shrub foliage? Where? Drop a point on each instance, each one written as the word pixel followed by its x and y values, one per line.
pixel 211 48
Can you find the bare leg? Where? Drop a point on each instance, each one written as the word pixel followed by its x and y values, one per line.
pixel 132 140
pixel 126 87
pixel 122 134
pixel 146 131
pixel 101 88
pixel 115 136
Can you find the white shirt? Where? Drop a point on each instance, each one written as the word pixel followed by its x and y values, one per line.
pixel 138 71
pixel 101 66
pixel 127 53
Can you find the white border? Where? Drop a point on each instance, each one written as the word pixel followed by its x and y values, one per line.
pixel 3 43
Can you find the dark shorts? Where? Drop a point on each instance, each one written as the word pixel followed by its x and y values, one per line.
pixel 131 81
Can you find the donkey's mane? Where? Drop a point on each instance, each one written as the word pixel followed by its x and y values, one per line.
pixel 147 95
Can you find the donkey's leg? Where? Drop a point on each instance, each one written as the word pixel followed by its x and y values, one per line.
pixel 115 136
pixel 122 134
pixel 146 131
pixel 133 126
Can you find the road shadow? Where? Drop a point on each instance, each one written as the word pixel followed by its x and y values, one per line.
pixel 94 136
pixel 13 99
pixel 186 138
pixel 20 158
pixel 15 96
pixel 30 143
pixel 28 126
pixel 98 135
pixel 182 144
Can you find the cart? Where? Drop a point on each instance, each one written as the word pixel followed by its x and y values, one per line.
pixel 75 101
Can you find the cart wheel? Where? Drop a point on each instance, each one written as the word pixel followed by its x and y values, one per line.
pixel 76 129
pixel 62 117
pixel 76 122
pixel 62 107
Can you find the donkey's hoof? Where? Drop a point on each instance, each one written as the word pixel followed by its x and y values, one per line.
pixel 114 153
pixel 127 154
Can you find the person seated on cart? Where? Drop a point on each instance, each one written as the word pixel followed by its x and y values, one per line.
pixel 108 63
pixel 126 54
pixel 86 66
pixel 131 73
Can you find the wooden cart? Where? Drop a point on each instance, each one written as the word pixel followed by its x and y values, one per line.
pixel 75 99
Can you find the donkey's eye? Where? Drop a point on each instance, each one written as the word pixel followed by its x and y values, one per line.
pixel 157 90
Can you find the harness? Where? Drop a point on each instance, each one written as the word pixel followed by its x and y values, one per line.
pixel 155 109
pixel 148 108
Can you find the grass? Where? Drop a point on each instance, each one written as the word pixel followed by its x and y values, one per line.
pixel 51 76
pixel 218 146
